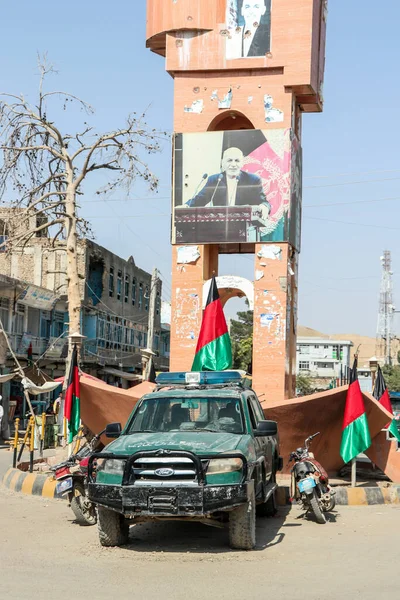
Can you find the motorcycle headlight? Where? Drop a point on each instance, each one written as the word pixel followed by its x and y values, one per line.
pixel 224 465
pixel 111 466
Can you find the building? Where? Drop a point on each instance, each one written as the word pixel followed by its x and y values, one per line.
pixel 323 359
pixel 115 300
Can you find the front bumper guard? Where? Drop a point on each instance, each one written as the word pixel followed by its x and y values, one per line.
pixel 148 499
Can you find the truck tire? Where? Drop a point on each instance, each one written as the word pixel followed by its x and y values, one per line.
pixel 242 525
pixel 314 504
pixel 113 528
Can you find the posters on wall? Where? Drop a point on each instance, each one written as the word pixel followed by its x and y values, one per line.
pixel 236 187
pixel 249 28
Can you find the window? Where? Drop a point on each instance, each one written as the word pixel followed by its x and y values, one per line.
pixel 253 418
pixel 126 288
pixel 304 349
pixel 146 298
pixel 304 365
pixel 119 285
pixel 258 411
pixel 140 295
pixel 324 365
pixel 133 291
pixel 111 282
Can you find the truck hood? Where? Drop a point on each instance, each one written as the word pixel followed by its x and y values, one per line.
pixel 199 443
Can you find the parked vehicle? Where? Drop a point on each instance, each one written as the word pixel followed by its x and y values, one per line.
pixel 197 448
pixel 71 476
pixel 310 483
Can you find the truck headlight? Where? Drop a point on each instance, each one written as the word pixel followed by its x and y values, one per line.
pixel 224 465
pixel 110 466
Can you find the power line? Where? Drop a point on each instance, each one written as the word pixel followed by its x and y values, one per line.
pixel 312 187
pixel 351 223
pixel 351 174
pixel 350 202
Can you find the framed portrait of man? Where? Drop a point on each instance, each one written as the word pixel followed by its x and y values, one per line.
pixel 232 187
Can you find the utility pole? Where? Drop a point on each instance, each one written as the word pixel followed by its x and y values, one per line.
pixel 384 334
pixel 148 353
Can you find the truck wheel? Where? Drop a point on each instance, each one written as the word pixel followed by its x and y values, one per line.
pixel 113 528
pixel 242 525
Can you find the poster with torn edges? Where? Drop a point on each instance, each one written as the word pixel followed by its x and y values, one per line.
pixel 234 187
pixel 248 23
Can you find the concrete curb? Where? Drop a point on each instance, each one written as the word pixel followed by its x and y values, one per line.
pixel 34 484
pixel 37 484
pixel 347 496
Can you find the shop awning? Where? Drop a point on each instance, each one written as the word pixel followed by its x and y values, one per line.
pixel 35 390
pixel 122 374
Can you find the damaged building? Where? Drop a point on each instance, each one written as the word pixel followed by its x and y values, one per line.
pixel 115 297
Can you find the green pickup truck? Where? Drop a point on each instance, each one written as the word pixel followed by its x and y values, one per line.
pixel 197 448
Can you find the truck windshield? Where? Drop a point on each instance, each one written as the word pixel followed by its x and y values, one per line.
pixel 197 414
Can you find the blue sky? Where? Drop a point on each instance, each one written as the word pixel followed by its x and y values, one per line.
pixel 351 157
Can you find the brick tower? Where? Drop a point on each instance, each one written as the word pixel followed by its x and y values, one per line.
pixel 244 72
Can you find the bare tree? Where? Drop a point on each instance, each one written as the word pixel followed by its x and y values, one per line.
pixel 43 169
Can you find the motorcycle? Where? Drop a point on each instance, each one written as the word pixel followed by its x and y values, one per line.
pixel 310 483
pixel 71 476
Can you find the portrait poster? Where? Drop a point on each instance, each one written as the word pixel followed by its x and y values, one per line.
pixel 248 24
pixel 235 187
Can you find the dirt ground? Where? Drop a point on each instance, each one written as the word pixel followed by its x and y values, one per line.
pixel 44 554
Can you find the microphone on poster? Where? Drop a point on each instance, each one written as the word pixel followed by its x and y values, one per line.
pixel 204 177
pixel 220 178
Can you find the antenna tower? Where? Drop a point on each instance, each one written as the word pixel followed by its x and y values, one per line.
pixel 384 333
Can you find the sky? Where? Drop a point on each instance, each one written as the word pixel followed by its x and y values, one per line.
pixel 351 199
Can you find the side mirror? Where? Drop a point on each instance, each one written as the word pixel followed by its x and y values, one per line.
pixel 113 430
pixel 265 428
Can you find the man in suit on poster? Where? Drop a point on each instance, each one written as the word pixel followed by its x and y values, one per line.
pixel 254 37
pixel 233 186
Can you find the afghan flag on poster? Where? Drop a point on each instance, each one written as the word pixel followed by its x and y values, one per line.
pixel 381 394
pixel 355 435
pixel 72 404
pixel 213 351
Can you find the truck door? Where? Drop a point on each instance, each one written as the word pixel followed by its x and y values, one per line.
pixel 266 446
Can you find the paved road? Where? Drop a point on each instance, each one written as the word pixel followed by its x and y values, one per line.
pixel 44 554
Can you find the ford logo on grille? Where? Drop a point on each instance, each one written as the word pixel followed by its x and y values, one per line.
pixel 164 472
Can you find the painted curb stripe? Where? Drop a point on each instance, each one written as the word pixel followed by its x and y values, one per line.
pixel 40 485
pixel 49 488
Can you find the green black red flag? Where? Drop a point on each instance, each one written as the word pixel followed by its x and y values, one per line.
pixel 355 435
pixel 381 394
pixel 213 351
pixel 72 404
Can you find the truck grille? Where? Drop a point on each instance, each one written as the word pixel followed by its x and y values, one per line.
pixel 161 470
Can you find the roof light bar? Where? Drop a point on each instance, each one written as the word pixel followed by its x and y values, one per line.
pixel 199 378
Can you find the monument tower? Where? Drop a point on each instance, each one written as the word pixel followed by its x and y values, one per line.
pixel 244 71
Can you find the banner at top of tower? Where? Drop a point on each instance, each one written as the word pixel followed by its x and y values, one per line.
pixel 248 28
pixel 211 35
pixel 237 187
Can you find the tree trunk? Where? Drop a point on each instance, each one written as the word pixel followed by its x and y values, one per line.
pixel 73 291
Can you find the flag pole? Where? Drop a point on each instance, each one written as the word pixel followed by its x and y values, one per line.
pixel 353 472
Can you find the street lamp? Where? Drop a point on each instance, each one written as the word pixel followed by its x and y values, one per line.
pixel 76 339
pixel 373 365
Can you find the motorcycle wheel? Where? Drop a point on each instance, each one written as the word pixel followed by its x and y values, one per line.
pixel 84 511
pixel 314 504
pixel 332 504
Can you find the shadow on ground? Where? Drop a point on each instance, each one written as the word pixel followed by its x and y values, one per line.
pixel 165 537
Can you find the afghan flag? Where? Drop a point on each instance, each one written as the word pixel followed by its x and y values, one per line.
pixel 381 394
pixel 213 351
pixel 355 435
pixel 72 404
